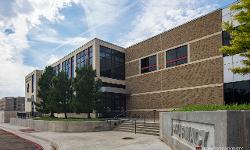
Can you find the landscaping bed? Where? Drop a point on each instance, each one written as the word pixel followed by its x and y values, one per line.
pixel 46 118
pixel 213 107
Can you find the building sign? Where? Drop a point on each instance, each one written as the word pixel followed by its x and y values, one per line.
pixel 193 134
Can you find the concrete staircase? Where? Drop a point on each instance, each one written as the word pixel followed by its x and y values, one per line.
pixel 141 127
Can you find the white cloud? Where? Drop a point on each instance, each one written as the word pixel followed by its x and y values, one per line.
pixel 158 16
pixel 21 16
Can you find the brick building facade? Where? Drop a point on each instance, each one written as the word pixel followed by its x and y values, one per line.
pixel 197 81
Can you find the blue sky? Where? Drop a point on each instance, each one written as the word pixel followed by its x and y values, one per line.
pixel 35 33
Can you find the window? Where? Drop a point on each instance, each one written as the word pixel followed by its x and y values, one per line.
pixel 237 92
pixel 148 64
pixel 176 56
pixel 112 63
pixel 72 67
pixel 28 88
pixel 57 69
pixel 66 67
pixel 84 57
pixel 105 84
pixel 226 38
pixel 32 83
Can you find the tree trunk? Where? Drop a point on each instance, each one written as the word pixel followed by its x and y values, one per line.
pixel 89 115
pixel 65 115
pixel 52 115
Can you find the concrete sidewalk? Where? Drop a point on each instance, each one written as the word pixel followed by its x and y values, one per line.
pixel 106 140
pixel 45 143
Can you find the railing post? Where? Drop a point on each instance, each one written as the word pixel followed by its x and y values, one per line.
pixel 135 127
pixel 144 118
pixel 110 124
pixel 154 115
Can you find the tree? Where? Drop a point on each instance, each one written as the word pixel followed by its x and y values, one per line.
pixel 45 85
pixel 240 36
pixel 87 90
pixel 62 93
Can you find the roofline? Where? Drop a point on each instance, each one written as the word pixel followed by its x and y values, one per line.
pixel 218 9
pixel 94 39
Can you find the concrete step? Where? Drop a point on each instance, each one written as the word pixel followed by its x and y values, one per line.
pixel 141 132
pixel 142 124
pixel 138 127
pixel 141 127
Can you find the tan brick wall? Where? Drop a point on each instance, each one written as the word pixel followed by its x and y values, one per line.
pixel 196 74
pixel 132 68
pixel 175 99
pixel 198 28
pixel 206 48
pixel 146 83
pixel 192 30
pixel 204 41
pixel 143 48
pixel 190 75
pixel 161 60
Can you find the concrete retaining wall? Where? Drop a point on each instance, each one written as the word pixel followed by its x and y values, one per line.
pixel 64 126
pixel 186 130
pixel 6 115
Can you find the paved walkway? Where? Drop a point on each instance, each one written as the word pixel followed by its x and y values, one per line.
pixel 9 141
pixel 107 140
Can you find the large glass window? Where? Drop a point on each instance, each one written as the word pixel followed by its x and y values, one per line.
pixel 114 104
pixel 57 69
pixel 84 57
pixel 237 92
pixel 112 63
pixel 32 83
pixel 148 64
pixel 176 56
pixel 66 67
pixel 72 67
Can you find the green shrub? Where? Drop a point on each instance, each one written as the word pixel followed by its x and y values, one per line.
pixel 214 107
pixel 47 118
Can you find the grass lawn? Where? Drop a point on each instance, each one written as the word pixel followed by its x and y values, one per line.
pixel 213 107
pixel 68 119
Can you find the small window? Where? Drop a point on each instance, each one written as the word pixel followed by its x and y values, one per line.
pixel 176 56
pixel 226 38
pixel 28 88
pixel 148 64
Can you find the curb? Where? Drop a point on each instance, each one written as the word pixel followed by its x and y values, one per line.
pixel 53 145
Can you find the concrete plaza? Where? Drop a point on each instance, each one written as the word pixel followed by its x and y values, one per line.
pixel 106 140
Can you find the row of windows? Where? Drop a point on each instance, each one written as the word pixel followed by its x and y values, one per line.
pixel 57 69
pixel 112 63
pixel 68 67
pixel 82 58
pixel 85 57
pixel 174 57
pixel 105 84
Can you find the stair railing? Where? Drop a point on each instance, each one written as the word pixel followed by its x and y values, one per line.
pixel 142 116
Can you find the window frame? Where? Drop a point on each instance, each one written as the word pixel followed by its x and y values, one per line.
pixel 114 63
pixel 156 63
pixel 178 59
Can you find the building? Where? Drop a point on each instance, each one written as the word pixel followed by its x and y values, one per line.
pixel 184 66
pixel 12 104
pixel 181 66
pixel 31 90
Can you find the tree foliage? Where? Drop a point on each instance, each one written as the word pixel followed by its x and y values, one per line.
pixel 87 91
pixel 240 35
pixel 45 85
pixel 62 93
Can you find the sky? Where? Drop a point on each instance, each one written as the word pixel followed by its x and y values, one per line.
pixel 36 33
